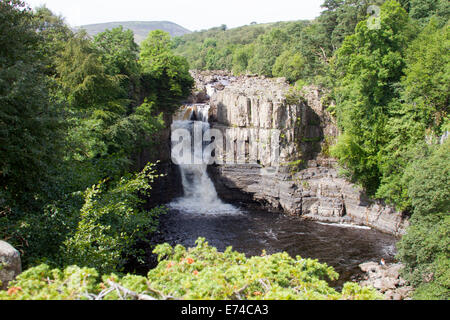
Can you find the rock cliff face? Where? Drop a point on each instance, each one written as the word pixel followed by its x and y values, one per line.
pixel 284 164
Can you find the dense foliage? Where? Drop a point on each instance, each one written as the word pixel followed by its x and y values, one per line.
pixel 368 64
pixel 75 113
pixel 392 95
pixel 199 273
pixel 29 121
pixel 263 48
pixel 164 73
pixel 113 215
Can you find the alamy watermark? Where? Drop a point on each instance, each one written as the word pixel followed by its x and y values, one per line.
pixel 196 146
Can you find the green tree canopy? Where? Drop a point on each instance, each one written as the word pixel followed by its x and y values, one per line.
pixel 289 65
pixel 54 33
pixel 166 76
pixel 29 123
pixel 83 78
pixel 423 10
pixel 268 48
pixel 368 66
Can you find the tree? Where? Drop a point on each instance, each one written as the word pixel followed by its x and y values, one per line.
pixel 156 44
pixel 289 65
pixel 314 46
pixel 113 219
pixel 166 76
pixel 29 123
pixel 421 110
pixel 268 48
pixel 241 58
pixel 339 20
pixel 423 10
pixel 425 248
pixel 82 76
pixel 427 76
pixel 31 128
pixel 54 33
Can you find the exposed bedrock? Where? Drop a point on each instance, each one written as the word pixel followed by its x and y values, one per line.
pixel 305 181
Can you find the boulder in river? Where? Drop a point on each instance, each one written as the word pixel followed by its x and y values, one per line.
pixel 387 280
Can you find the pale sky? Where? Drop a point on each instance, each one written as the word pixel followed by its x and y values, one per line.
pixel 191 14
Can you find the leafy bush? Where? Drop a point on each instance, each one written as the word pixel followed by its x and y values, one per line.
pixel 425 249
pixel 200 273
pixel 112 220
pixel 43 283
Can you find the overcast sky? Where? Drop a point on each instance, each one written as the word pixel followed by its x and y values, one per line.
pixel 191 14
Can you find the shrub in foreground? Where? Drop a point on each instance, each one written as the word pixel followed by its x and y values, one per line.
pixel 200 273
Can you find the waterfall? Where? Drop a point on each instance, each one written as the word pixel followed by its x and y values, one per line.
pixel 200 195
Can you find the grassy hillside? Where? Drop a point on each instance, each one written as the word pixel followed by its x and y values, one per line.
pixel 140 28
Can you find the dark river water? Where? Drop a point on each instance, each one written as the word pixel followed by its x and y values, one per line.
pixel 251 232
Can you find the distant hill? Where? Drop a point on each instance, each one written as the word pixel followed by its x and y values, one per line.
pixel 140 28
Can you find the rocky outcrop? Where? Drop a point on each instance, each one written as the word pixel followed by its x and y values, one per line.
pixel 284 163
pixel 10 264
pixel 387 280
pixel 316 193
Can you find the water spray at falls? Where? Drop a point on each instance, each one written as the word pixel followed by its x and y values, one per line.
pixel 200 195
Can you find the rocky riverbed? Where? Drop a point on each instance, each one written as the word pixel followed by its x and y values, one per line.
pixel 306 181
pixel 10 264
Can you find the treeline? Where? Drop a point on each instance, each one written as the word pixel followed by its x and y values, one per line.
pixel 75 113
pixel 386 79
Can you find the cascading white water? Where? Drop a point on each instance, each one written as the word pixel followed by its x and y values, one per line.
pixel 200 195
